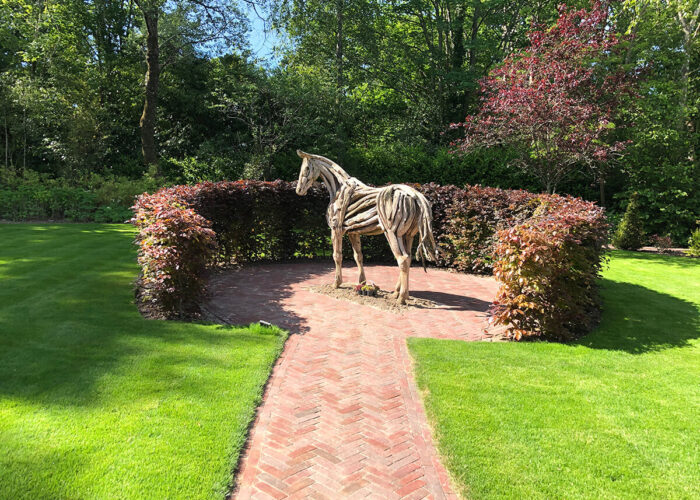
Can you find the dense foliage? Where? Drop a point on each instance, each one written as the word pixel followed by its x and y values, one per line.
pixel 694 244
pixel 29 195
pixel 474 219
pixel 548 266
pixel 372 84
pixel 551 103
pixel 545 249
pixel 175 244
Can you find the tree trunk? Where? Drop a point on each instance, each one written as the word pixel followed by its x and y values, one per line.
pixel 685 78
pixel 150 105
pixel 457 97
pixel 24 132
pixel 340 76
pixel 473 34
pixel 689 25
pixel 7 145
pixel 601 184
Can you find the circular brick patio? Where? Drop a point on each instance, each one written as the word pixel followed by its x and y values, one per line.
pixel 341 416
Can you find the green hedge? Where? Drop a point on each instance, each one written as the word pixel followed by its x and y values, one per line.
pixel 28 195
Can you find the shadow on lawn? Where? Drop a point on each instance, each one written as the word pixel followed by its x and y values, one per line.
pixel 67 319
pixel 61 358
pixel 639 320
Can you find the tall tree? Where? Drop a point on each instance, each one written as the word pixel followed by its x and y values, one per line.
pixel 434 51
pixel 328 35
pixel 556 101
pixel 339 73
pixel 688 16
pixel 201 24
pixel 662 164
pixel 150 11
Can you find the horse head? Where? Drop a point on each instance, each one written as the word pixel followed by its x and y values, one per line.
pixel 307 174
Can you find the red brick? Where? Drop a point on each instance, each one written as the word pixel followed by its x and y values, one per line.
pixel 411 487
pixel 270 490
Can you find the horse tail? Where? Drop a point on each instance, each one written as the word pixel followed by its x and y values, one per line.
pixel 427 248
pixel 400 209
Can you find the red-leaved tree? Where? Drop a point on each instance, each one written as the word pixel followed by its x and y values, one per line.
pixel 555 103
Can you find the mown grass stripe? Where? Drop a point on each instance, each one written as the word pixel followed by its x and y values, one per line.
pixel 95 401
pixel 613 415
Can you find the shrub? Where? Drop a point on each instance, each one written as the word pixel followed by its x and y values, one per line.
pixel 175 245
pixel 29 195
pixel 38 201
pixel 548 266
pixel 118 191
pixel 662 243
pixel 669 192
pixel 630 233
pixel 474 218
pixel 112 214
pixel 694 244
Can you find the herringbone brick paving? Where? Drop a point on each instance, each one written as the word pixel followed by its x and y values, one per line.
pixel 341 416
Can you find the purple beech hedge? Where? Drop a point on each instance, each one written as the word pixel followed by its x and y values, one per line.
pixel 546 250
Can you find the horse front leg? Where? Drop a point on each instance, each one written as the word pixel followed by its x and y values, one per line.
pixel 357 253
pixel 397 288
pixel 337 237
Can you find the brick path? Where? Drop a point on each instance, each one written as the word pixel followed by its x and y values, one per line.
pixel 342 417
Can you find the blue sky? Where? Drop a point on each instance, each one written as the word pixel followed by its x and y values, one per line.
pixel 262 43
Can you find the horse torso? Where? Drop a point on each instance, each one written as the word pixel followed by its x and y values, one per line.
pixel 354 208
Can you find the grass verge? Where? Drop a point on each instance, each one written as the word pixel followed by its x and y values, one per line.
pixel 614 415
pixel 95 401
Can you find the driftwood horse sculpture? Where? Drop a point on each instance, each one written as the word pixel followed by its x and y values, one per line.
pixel 355 209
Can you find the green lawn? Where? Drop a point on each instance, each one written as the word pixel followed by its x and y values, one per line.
pixel 614 415
pixel 96 402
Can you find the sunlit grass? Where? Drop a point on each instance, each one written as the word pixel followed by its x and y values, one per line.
pixel 614 415
pixel 95 401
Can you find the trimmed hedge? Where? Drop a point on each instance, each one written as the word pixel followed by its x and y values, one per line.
pixel 175 246
pixel 545 249
pixel 474 219
pixel 548 266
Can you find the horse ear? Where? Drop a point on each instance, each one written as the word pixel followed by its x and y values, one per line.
pixel 302 154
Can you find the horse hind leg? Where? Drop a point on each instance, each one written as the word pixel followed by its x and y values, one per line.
pixel 404 261
pixel 407 241
pixel 357 253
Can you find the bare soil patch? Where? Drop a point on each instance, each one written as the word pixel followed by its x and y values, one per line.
pixel 383 300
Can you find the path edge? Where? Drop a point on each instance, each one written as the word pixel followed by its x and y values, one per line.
pixel 234 482
pixel 444 476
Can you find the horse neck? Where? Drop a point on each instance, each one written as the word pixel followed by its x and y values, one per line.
pixel 333 177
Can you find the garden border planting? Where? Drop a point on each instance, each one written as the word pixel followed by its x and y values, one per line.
pixel 546 250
